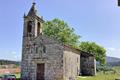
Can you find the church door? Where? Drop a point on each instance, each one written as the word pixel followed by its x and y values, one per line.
pixel 40 71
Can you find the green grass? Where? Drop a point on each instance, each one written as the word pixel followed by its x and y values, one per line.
pixel 17 75
pixel 100 76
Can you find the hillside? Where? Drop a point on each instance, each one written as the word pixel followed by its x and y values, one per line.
pixel 7 62
pixel 113 61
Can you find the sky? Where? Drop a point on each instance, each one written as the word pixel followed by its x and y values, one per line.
pixel 94 20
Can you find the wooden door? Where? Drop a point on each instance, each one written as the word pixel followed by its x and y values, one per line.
pixel 40 71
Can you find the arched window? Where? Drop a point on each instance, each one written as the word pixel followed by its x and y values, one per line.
pixel 29 26
pixel 38 28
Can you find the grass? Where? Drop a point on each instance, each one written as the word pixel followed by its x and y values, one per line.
pixel 17 75
pixel 100 76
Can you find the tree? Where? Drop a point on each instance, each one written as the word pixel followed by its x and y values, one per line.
pixel 95 49
pixel 60 30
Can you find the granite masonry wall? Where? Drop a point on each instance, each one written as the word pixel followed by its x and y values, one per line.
pixel 43 50
pixel 88 65
pixel 71 63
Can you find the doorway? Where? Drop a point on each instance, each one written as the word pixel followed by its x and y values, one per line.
pixel 40 71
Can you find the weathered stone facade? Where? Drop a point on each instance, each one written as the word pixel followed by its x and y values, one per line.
pixel 88 64
pixel 52 57
pixel 44 58
pixel 71 63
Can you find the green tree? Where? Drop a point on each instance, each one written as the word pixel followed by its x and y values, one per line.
pixel 60 30
pixel 95 49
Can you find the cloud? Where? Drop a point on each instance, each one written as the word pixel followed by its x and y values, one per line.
pixel 13 52
pixel 15 56
pixel 111 49
pixel 118 49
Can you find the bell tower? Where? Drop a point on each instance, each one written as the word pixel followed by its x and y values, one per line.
pixel 32 28
pixel 33 23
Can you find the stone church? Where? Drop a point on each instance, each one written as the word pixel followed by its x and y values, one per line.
pixel 44 58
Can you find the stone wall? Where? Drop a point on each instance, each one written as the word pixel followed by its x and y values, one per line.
pixel 88 64
pixel 62 62
pixel 71 63
pixel 52 57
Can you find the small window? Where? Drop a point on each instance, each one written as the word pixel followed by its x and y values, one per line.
pixel 29 27
pixel 36 49
pixel 38 28
pixel 44 49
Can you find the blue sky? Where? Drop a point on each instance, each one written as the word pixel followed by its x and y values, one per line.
pixel 94 20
